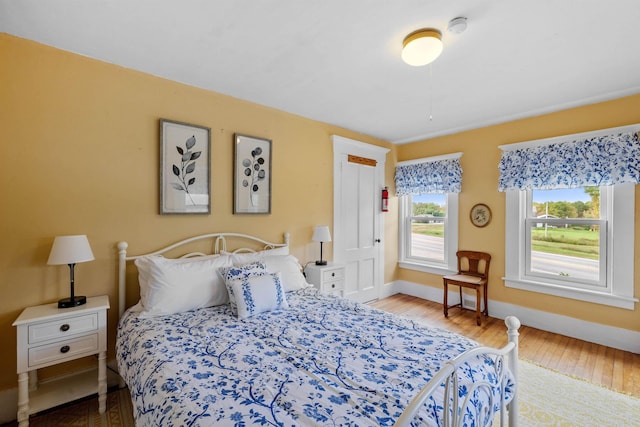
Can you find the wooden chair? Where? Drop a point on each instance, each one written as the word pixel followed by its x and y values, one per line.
pixel 473 273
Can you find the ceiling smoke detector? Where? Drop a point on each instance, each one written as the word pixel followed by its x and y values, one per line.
pixel 457 25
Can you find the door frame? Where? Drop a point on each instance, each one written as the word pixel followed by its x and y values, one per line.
pixel 342 147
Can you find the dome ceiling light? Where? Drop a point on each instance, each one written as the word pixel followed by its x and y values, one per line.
pixel 422 47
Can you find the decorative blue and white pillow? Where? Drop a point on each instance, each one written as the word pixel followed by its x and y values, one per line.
pixel 257 294
pixel 241 272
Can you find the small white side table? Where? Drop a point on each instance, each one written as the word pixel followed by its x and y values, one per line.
pixel 48 335
pixel 327 278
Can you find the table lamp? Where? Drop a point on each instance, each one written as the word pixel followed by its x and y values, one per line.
pixel 70 250
pixel 321 234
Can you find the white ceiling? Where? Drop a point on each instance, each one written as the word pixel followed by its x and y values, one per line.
pixel 338 61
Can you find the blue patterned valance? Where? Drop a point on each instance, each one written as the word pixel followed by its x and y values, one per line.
pixel 603 160
pixel 437 176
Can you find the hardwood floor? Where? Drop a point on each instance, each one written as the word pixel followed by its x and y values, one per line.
pixel 615 369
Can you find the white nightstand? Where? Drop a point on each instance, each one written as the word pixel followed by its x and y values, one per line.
pixel 327 278
pixel 48 335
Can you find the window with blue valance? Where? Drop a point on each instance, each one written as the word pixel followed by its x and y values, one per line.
pixel 607 159
pixel 427 176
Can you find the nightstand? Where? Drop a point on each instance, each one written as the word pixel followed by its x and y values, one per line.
pixel 327 278
pixel 48 335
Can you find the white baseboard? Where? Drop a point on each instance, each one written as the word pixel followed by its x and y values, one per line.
pixel 610 336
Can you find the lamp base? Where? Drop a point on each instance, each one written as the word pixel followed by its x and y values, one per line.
pixel 68 302
pixel 321 262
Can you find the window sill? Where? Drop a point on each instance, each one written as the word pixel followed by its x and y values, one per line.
pixel 426 268
pixel 602 298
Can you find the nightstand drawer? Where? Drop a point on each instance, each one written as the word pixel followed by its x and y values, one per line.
pixel 62 328
pixel 333 286
pixel 46 354
pixel 332 274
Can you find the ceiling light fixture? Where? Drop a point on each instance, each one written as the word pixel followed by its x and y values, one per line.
pixel 422 47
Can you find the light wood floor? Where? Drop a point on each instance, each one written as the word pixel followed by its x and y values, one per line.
pixel 615 369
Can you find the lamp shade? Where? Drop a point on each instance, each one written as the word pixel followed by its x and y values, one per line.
pixel 70 250
pixel 321 234
pixel 422 47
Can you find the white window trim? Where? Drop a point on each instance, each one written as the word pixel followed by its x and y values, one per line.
pixel 620 257
pixel 572 137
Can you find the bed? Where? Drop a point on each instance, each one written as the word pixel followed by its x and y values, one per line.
pixel 237 337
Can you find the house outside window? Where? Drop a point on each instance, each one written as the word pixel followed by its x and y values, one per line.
pixel 566 236
pixel 428 194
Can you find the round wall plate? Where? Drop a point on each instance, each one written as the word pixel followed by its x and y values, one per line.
pixel 480 215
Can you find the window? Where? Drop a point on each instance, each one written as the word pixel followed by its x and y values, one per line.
pixel 428 194
pixel 570 216
pixel 429 231
pixel 597 268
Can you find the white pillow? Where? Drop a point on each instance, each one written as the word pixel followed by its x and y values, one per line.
pixel 144 268
pixel 290 270
pixel 257 294
pixel 233 273
pixel 169 286
pixel 247 257
pixel 277 259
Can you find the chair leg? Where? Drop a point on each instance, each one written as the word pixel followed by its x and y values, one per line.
pixel 486 301
pixel 446 298
pixel 478 313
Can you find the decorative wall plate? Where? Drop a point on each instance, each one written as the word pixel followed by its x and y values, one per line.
pixel 480 215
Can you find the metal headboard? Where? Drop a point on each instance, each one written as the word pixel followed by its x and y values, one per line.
pixel 219 244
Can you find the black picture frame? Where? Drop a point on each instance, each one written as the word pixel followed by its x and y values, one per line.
pixel 251 175
pixel 185 168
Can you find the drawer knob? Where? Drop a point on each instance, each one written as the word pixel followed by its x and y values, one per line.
pixel 333 274
pixel 64 349
pixel 333 285
pixel 65 327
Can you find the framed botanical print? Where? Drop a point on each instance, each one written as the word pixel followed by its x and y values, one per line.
pixel 185 168
pixel 251 175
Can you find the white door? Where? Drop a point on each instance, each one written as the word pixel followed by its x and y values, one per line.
pixel 358 240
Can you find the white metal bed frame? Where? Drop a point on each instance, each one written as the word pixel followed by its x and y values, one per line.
pixel 506 356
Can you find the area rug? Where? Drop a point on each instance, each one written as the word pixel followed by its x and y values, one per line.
pixel 549 398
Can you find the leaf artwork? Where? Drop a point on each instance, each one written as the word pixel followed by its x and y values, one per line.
pixel 186 167
pixel 254 173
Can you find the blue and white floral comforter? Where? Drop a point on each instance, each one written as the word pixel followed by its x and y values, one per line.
pixel 326 361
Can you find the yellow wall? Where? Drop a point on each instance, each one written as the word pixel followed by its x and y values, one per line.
pixel 480 184
pixel 80 143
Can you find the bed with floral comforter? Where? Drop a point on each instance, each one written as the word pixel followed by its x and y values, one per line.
pixel 324 361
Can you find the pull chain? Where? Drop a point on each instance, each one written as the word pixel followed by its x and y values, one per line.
pixel 430 93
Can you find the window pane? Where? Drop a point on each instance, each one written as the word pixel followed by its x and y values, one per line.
pixel 571 251
pixel 429 205
pixel 565 249
pixel 427 226
pixel 566 203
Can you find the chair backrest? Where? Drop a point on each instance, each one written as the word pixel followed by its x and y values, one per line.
pixel 473 263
